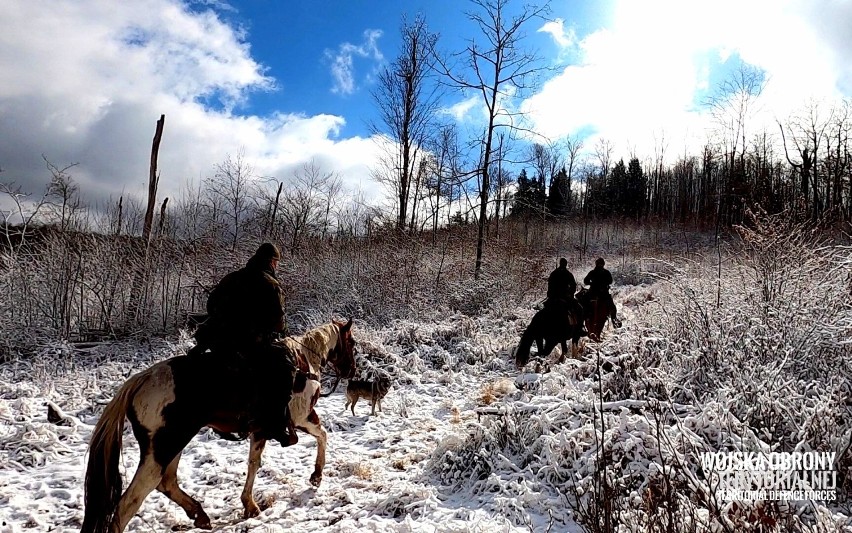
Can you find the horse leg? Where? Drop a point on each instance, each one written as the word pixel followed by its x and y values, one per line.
pixel 256 446
pixel 157 450
pixel 596 325
pixel 169 487
pixel 147 477
pixel 564 346
pixel 313 426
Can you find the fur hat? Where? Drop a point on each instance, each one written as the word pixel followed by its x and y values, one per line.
pixel 600 262
pixel 563 263
pixel 267 252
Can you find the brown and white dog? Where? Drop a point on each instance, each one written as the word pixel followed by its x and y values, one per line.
pixel 374 391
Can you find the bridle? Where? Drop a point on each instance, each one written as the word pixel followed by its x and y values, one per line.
pixel 338 351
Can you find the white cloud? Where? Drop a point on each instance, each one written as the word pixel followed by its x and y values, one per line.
pixel 85 82
pixel 343 60
pixel 564 38
pixel 461 110
pixel 643 74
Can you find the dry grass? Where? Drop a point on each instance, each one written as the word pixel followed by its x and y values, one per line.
pixel 495 390
pixel 362 470
pixel 401 463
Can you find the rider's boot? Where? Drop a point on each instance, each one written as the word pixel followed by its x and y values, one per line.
pixel 278 425
pixel 275 419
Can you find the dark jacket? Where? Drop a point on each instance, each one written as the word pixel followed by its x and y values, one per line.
pixel 598 280
pixel 247 307
pixel 561 284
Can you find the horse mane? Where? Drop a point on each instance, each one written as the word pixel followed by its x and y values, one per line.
pixel 315 344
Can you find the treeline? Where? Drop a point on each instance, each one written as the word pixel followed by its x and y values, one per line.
pixel 84 274
pixel 805 168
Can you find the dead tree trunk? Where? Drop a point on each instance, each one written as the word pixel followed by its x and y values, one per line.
pixel 153 179
pixel 141 272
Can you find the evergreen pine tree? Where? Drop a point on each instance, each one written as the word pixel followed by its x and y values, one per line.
pixel 560 192
pixel 616 189
pixel 635 189
pixel 524 197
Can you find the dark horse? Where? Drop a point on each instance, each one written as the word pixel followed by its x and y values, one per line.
pixel 596 310
pixel 550 326
pixel 168 403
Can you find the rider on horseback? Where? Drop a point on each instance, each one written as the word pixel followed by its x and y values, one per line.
pixel 599 281
pixel 246 315
pixel 561 287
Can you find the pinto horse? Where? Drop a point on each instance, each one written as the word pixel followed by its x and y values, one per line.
pixel 168 403
pixel 550 326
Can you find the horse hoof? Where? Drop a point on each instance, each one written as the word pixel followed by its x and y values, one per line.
pixel 252 510
pixel 316 479
pixel 202 522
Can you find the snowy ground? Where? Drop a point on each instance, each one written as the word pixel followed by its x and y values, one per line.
pixel 376 478
pixel 698 367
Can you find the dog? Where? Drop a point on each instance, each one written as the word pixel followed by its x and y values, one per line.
pixel 369 390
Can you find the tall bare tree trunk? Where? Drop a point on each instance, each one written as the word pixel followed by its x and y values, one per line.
pixel 275 209
pixel 141 272
pixel 153 180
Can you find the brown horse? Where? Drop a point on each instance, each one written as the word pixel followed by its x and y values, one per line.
pixel 551 326
pixel 597 310
pixel 168 403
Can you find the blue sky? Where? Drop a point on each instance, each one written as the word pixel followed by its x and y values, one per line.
pixel 289 82
pixel 298 44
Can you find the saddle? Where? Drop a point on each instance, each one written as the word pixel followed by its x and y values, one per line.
pixel 553 306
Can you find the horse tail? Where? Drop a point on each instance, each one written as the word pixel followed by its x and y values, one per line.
pixel 102 486
pixel 522 354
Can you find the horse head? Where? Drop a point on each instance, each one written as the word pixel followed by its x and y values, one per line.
pixel 342 356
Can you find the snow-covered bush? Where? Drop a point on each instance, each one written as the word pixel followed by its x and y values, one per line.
pixel 750 355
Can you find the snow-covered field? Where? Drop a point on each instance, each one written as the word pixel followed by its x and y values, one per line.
pixel 376 478
pixel 607 442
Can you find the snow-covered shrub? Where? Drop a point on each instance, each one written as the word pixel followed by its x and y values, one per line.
pixel 752 355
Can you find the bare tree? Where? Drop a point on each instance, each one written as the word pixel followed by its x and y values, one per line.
pixel 498 69
pixel 302 203
pixel 140 277
pixel 233 184
pixel 332 190
pixel 22 212
pixel 545 159
pixel 573 148
pixel 731 108
pixel 63 194
pixel 406 106
pixel 153 180
pixel 502 179
pixel 839 159
pixel 603 153
pixel 448 168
